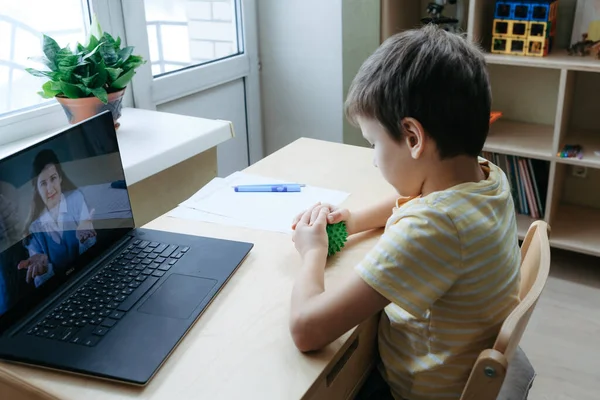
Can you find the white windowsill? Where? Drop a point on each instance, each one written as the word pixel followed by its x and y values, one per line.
pixel 152 141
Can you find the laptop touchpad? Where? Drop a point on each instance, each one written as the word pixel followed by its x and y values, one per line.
pixel 178 296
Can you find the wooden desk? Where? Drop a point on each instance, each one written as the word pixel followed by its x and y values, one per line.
pixel 241 347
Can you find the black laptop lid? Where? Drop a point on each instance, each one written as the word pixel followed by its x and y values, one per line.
pixel 63 202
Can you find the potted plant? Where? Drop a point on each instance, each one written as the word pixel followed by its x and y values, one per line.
pixel 90 78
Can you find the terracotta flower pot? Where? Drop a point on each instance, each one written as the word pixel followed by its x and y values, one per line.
pixel 79 109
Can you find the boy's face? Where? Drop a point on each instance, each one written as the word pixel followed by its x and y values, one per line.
pixel 400 161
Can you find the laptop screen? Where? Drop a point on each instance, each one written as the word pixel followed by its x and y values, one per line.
pixel 63 202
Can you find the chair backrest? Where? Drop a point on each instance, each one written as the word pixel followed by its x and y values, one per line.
pixel 487 376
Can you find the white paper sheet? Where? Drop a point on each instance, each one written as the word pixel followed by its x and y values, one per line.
pixel 218 202
pixel 197 215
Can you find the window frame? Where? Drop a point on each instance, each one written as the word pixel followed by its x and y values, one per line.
pixel 148 91
pixel 25 123
pixel 127 19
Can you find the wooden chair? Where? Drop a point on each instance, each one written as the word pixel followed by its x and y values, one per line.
pixel 489 371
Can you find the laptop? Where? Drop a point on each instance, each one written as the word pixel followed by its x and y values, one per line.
pixel 81 289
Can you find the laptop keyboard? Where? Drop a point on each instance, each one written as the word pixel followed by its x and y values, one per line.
pixel 88 314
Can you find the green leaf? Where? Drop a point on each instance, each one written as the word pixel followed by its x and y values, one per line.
pixel 48 90
pixel 123 80
pixel 118 43
pixel 43 74
pixel 102 76
pixel 101 94
pixel 95 32
pixel 84 89
pixel 93 42
pixel 133 62
pixel 43 60
pixel 109 39
pixel 80 48
pixel 109 54
pixel 51 49
pixel 125 53
pixel 35 72
pixel 114 73
pixel 67 63
pixel 82 70
pixel 88 81
pixel 54 85
pixel 71 91
pixel 66 58
pixel 91 53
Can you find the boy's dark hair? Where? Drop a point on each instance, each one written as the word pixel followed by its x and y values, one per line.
pixel 436 77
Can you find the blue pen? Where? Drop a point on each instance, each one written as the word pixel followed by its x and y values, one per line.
pixel 269 188
pixel 273 184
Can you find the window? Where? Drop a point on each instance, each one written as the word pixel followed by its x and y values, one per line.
pixel 21 32
pixel 186 33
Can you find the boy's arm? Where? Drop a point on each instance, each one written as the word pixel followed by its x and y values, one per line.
pixel 320 316
pixel 372 217
pixel 414 262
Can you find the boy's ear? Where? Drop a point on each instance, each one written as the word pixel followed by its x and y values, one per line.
pixel 414 135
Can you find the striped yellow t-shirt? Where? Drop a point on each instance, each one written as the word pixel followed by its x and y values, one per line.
pixel 449 264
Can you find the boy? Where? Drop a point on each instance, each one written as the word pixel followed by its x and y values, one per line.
pixel 446 269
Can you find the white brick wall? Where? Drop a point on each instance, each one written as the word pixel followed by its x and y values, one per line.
pixel 199 10
pixel 223 49
pixel 222 11
pixel 201 50
pixel 219 31
pixel 211 29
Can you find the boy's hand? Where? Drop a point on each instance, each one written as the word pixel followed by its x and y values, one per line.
pixel 334 216
pixel 310 236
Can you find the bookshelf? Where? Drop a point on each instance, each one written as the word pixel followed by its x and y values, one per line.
pixel 546 102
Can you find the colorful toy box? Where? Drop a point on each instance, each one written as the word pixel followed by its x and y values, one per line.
pixel 525 27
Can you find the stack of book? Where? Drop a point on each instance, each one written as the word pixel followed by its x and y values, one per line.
pixel 528 180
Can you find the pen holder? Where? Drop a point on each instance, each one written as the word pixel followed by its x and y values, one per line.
pixel 337 236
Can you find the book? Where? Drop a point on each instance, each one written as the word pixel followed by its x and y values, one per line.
pixel 528 180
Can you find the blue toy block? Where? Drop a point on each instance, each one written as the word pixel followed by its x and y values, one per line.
pixel 521 11
pixel 524 10
pixel 503 10
pixel 540 12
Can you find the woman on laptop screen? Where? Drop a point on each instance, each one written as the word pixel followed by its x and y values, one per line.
pixel 60 227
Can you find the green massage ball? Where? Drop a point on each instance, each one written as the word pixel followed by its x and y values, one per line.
pixel 337 235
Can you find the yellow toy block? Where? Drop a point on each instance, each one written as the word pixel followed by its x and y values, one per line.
pixel 517 46
pixel 500 45
pixel 519 29
pixel 508 45
pixel 510 28
pixel 501 28
pixel 537 47
pixel 539 29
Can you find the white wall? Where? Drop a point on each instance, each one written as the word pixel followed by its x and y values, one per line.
pixel 225 102
pixel 300 47
pixel 361 37
pixel 310 50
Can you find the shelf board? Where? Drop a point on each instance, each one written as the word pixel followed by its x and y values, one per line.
pixel 576 228
pixel 520 139
pixel 557 59
pixel 590 142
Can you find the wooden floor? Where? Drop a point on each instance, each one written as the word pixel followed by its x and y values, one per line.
pixel 562 339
